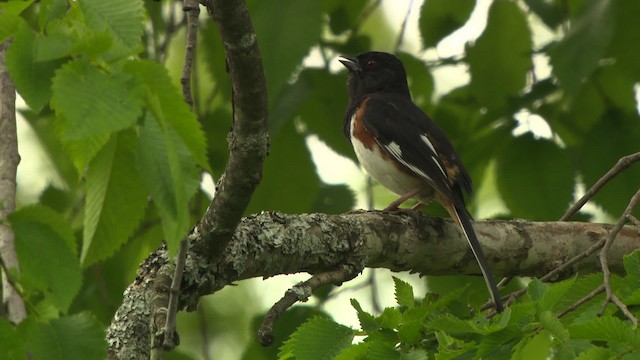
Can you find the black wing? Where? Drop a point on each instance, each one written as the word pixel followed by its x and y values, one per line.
pixel 411 137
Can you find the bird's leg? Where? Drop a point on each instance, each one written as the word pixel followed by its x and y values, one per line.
pixel 394 205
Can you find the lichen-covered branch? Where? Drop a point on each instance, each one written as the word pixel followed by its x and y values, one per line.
pixel 12 304
pixel 269 244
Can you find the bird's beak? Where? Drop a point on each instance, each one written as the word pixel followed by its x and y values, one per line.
pixel 351 63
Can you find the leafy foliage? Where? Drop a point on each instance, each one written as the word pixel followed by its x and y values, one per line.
pixel 99 79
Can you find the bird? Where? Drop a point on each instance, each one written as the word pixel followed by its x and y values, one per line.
pixel 403 149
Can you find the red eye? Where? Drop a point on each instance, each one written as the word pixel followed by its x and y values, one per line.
pixel 371 64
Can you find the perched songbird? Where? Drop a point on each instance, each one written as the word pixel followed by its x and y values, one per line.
pixel 403 149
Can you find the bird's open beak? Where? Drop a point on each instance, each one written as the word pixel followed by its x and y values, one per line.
pixel 351 63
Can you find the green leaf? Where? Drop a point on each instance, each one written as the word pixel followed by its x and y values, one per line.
pixel 9 25
pixel 499 344
pixel 555 328
pixel 79 336
pixel 354 352
pixel 610 329
pixel 576 56
pixel 116 199
pixel 166 103
pixel 46 250
pixel 390 318
pixel 454 325
pixel 382 351
pixel 11 346
pixel 533 348
pixel 367 321
pixel 319 338
pixel 32 79
pixel 617 128
pixel 411 332
pixel 535 178
pixel 554 293
pixel 625 44
pixel 498 71
pixel 632 268
pixel 284 44
pixel 82 151
pixel 51 10
pixel 439 18
pixel 403 293
pixel 596 353
pixel 300 180
pixel 550 12
pixel 170 174
pixel 14 7
pixel 94 102
pixel 123 19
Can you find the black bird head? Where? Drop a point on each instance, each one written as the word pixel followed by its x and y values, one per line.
pixel 375 72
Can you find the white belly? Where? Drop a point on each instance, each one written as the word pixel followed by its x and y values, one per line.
pixel 384 172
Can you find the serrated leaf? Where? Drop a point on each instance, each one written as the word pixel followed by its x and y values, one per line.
pixel 536 289
pixel 11 346
pixel 116 199
pixel 82 151
pixel 554 293
pixel 32 79
pixel 439 18
pixel 489 58
pixel 411 332
pixel 170 174
pixel 46 250
pixel 553 191
pixel 76 337
pixel 607 328
pixel 403 293
pixel 454 325
pixel 390 318
pixel 596 353
pixel 94 102
pixel 499 344
pixel 319 338
pixel 367 321
pixel 123 19
pixel 632 267
pixel 536 347
pixel 576 56
pixel 555 328
pixel 354 352
pixel 167 105
pixel 382 351
pixel 415 354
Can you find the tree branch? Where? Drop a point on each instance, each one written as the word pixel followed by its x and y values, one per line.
pixel 269 244
pixel 12 303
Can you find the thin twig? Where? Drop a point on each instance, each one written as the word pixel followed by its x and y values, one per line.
pixel 169 341
pixel 604 261
pixel 300 292
pixel 622 164
pixel 191 9
pixel 581 301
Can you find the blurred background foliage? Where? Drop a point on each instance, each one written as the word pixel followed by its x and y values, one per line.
pixel 539 102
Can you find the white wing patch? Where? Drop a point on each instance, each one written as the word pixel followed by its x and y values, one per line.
pixel 439 166
pixel 396 151
pixel 426 140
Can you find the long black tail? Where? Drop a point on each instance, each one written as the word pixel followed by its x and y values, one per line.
pixel 464 220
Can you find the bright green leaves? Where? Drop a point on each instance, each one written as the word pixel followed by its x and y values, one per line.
pixel 166 104
pixel 170 175
pixel 498 71
pixel 92 101
pixel 577 55
pixel 439 18
pixel 536 178
pixel 610 329
pixel 47 253
pixel 77 337
pixel 122 20
pixel 116 198
pixel 317 339
pixel 32 82
pixel 11 346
